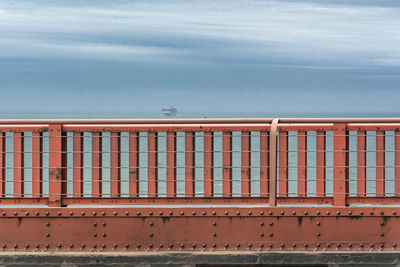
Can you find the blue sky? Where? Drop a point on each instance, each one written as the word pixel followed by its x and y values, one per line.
pixel 264 57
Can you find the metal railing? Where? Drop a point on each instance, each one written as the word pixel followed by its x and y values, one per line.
pixel 200 161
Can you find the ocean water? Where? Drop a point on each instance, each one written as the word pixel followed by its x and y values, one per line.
pixel 199 164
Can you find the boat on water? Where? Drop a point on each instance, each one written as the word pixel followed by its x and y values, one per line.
pixel 169 111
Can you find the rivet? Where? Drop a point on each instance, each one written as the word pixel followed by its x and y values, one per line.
pixel 138 245
pixel 47 234
pixel 26 213
pixel 71 213
pixel 261 213
pixel 214 234
pixel 37 246
pixel 394 212
pixel 94 234
pixel 338 212
pixel 270 213
pixel 138 213
pixel 394 245
pixel 170 245
pixel 95 224
pixel 161 245
pixel 338 245
pixel 214 223
pixel 4 245
pixel 4 214
pixel 27 245
pixel 293 212
pixel 83 213
pixel 226 245
pixel 94 213
pixel 182 245
pixel 71 245
pixel 115 245
pixel 83 245
pixel 306 212
pixel 204 245
pixel 271 234
pixel 282 245
pixel 328 245
pixel 104 224
pixel 306 245
pixel 194 245
pixel 361 245
pixel 361 213
pixel 182 213
pixel 161 213
pixel 151 234
pixel 250 245
pixel 103 213
pixel 261 245
pixel 318 245
pixel 104 234
pixel 94 245
pixel 271 223
pixel 150 245
pixel 328 212
pixel 318 212
pixel 372 213
pixel 204 213
pixel 349 212
pixel 350 245
pixel 59 213
pixel 103 245
pixel 270 245
pixel 262 223
pixel 238 213
pixel 115 213
pixel 382 234
pixel 382 245
pixel 126 213
pixel 15 213
pixel 282 212
pixel 15 245
pixel 250 212
pixel 371 245
pixel 226 213
pixel 262 234
pixel 171 213
pixel 59 245
pixel 193 213
pixel 318 234
pixel 150 213
pixel 238 245
pixel 214 245
pixel 318 223
pixel 127 245
pixel 213 212
pixel 382 212
pixel 151 223
pixel 382 223
pixel 47 224
pixel 47 213
pixel 294 245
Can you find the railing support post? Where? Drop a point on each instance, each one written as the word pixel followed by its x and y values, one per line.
pixel 273 164
pixel 340 164
pixel 57 165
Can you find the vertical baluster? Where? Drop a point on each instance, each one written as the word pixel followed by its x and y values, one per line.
pixel 264 164
pixel 246 162
pixel 171 164
pixel 208 164
pixel 227 164
pixel 37 164
pixel 397 163
pixel 134 164
pixel 340 164
pixel 78 164
pixel 283 164
pixel 18 164
pixel 190 164
pixel 2 164
pixel 57 165
pixel 302 163
pixel 361 163
pixel 321 162
pixel 115 163
pixel 152 164
pixel 380 163
pixel 97 164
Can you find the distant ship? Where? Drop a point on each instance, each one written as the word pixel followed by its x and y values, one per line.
pixel 169 111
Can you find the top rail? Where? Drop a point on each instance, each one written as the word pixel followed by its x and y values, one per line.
pixel 330 161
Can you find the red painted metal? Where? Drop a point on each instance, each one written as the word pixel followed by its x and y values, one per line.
pixel 264 164
pixel 283 164
pixel 397 163
pixel 134 164
pixel 246 164
pixel 380 163
pixel 302 164
pixel 97 163
pixel 361 163
pixel 273 163
pixel 340 161
pixel 171 164
pixel 115 164
pixel 208 164
pixel 227 164
pixel 152 158
pixel 37 164
pixel 78 164
pixel 321 163
pixel 2 164
pixel 190 163
pixel 18 164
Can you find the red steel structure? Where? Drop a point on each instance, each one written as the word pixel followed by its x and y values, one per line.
pixel 200 184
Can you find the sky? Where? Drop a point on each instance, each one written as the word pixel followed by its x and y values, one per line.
pixel 233 57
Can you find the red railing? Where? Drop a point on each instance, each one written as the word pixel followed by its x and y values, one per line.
pixel 200 161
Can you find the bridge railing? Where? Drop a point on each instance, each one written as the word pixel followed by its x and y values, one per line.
pixel 200 161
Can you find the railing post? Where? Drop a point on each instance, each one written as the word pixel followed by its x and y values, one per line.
pixel 340 164
pixel 272 161
pixel 57 165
